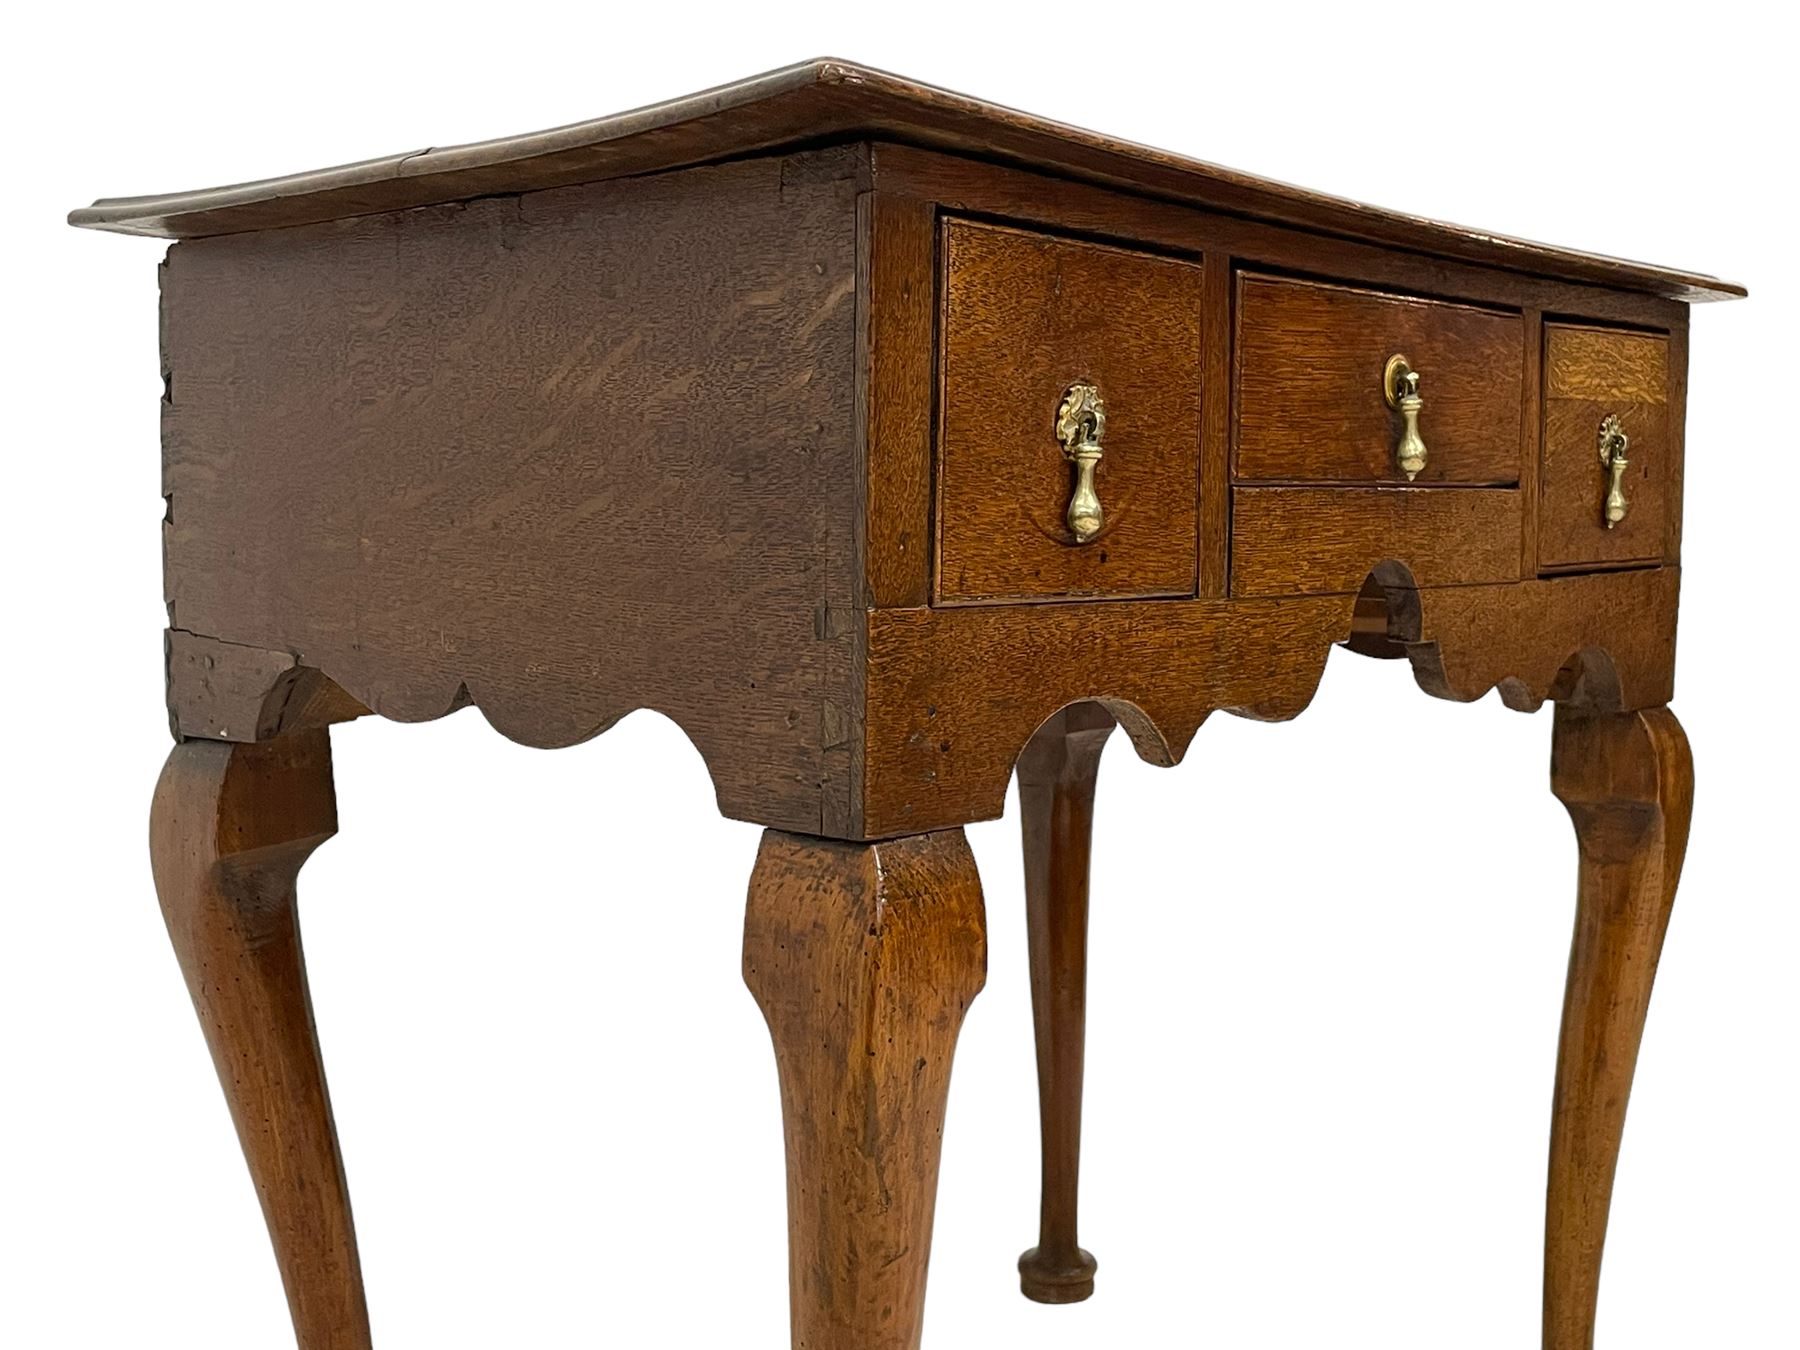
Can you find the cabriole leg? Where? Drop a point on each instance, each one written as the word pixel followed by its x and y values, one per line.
pixel 864 958
pixel 1057 773
pixel 1628 781
pixel 229 829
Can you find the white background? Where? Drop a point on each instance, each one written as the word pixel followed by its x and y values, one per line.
pixel 1328 954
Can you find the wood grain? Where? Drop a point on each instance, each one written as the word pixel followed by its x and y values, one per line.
pixel 1311 541
pixel 1219 294
pixel 1628 781
pixel 864 958
pixel 1531 418
pixel 1677 427
pixel 955 694
pixel 1025 317
pixel 899 365
pixel 1572 493
pixel 230 828
pixel 1603 363
pixel 1057 775
pixel 1309 406
pixel 970 185
pixel 825 100
pixel 560 456
pixel 224 691
pixel 1601 641
pixel 1589 374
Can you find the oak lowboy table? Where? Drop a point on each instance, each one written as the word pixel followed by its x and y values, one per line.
pixel 886 440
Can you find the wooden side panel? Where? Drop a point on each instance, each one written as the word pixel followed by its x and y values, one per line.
pixel 560 455
pixel 1309 541
pixel 1310 406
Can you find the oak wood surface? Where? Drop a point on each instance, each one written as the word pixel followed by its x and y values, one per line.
pixel 1531 420
pixel 829 99
pixel 1325 540
pixel 864 958
pixel 898 367
pixel 1603 363
pixel 1615 635
pixel 1218 292
pixel 1676 413
pixel 1572 528
pixel 1589 374
pixel 1057 775
pixel 1309 405
pixel 224 691
pixel 560 456
pixel 955 694
pixel 703 407
pixel 1628 782
pixel 1036 198
pixel 1025 317
pixel 230 828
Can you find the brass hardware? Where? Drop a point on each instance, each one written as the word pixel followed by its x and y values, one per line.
pixel 1400 385
pixel 1613 445
pixel 1080 423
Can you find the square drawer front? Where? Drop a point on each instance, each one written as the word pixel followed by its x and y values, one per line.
pixel 1026 318
pixel 1590 376
pixel 1310 405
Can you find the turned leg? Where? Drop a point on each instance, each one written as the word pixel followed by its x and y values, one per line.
pixel 1628 781
pixel 229 829
pixel 1056 803
pixel 864 958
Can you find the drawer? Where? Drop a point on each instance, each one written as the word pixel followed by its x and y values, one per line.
pixel 1026 319
pixel 1310 405
pixel 1592 375
pixel 1326 540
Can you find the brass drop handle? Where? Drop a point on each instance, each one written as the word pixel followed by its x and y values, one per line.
pixel 1080 423
pixel 1400 385
pixel 1613 445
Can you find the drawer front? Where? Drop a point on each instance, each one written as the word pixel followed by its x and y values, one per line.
pixel 1310 405
pixel 1592 375
pixel 1026 318
pixel 1326 540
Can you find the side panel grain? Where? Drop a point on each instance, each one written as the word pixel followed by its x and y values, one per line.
pixel 560 455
